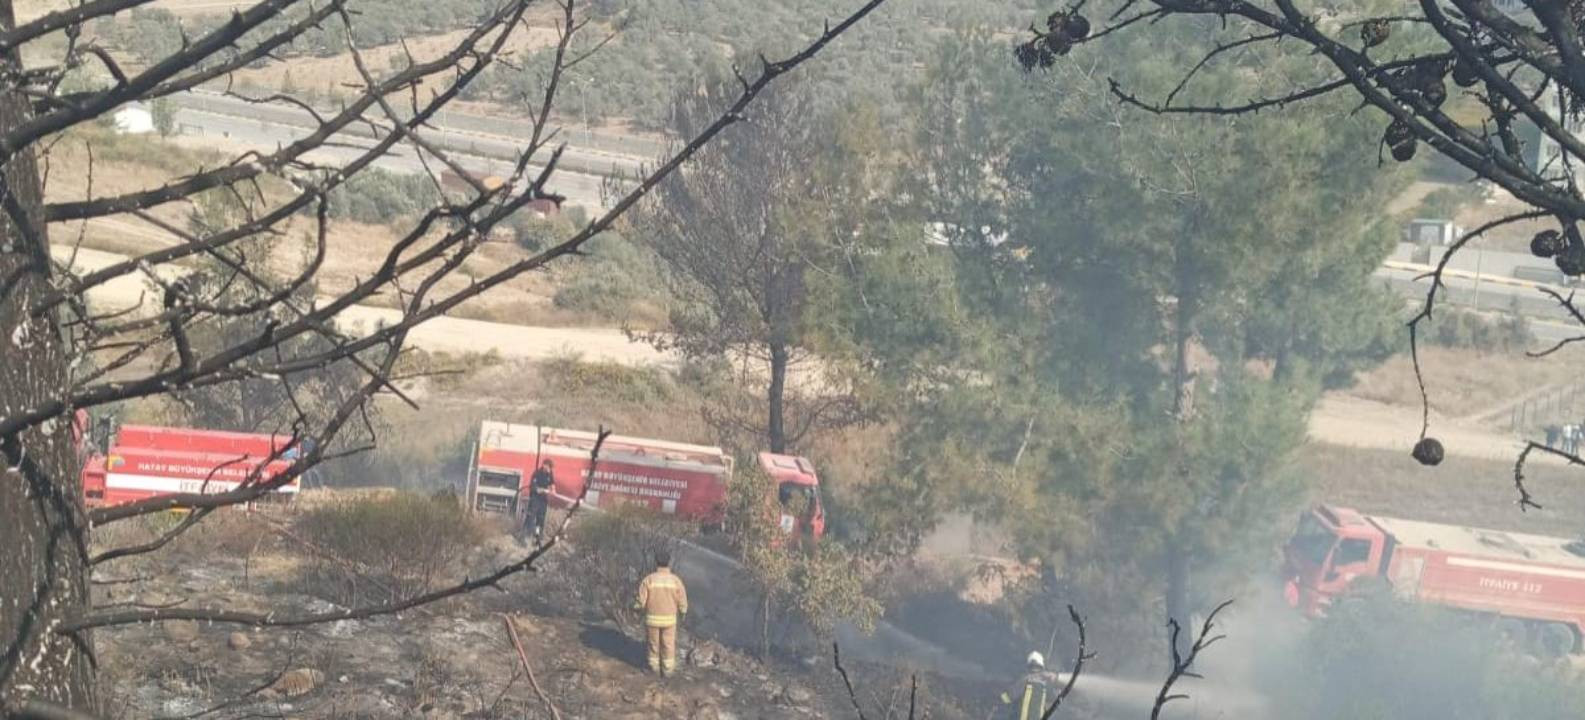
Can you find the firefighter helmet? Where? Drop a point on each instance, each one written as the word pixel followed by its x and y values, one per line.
pixel 1036 660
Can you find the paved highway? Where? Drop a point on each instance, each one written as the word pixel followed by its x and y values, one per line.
pixel 502 139
pixel 1548 321
pixel 268 127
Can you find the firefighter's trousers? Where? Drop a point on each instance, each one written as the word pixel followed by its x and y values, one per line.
pixel 662 648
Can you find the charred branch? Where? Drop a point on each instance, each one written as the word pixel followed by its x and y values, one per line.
pixel 1183 662
pixel 836 662
pixel 1079 657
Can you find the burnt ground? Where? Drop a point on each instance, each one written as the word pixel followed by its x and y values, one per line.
pixel 450 660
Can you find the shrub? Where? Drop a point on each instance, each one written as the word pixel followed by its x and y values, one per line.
pixel 645 387
pixel 443 370
pixel 535 233
pixel 819 585
pixel 377 196
pixel 150 34
pixel 1379 657
pixel 616 549
pixel 1459 328
pixel 618 276
pixel 385 547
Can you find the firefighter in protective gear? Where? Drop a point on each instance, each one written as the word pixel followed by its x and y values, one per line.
pixel 664 601
pixel 1028 700
pixel 540 484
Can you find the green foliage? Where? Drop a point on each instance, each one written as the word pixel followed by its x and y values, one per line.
pixel 377 196
pixel 214 211
pixel 641 386
pixel 535 233
pixel 1445 202
pixel 820 585
pixel 1095 248
pixel 754 532
pixel 1459 328
pixel 666 46
pixel 386 547
pixel 149 34
pixel 260 401
pixel 741 233
pixel 620 280
pixel 164 113
pixel 828 587
pixel 153 34
pixel 1380 658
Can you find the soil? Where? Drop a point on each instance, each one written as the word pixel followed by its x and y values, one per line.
pixel 450 660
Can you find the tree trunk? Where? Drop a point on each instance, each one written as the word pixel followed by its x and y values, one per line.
pixel 43 568
pixel 1177 556
pixel 776 427
pixel 764 628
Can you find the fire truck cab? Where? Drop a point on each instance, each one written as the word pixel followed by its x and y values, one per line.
pixel 797 493
pixel 1329 549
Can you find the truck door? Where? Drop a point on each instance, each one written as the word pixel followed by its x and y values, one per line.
pixel 1352 559
pixel 1406 577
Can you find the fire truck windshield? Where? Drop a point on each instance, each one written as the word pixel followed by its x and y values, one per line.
pixel 1312 541
pixel 797 498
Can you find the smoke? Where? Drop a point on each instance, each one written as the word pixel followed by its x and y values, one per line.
pixel 1207 698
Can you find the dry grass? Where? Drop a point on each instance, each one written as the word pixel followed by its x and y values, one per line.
pixel 1464 382
pixel 1509 238
pixel 1465 491
pixel 231 532
pixel 123 164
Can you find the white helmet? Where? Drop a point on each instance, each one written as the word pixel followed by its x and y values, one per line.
pixel 1037 660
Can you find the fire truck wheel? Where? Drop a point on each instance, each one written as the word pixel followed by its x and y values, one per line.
pixel 1513 631
pixel 1554 640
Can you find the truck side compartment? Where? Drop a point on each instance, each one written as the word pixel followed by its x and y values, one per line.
pixel 671 478
pixel 146 461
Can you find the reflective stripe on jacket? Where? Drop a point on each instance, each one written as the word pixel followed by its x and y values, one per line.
pixel 662 597
pixel 1032 697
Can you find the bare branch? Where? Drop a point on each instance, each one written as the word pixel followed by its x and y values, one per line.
pixel 836 661
pixel 1079 656
pixel 1183 664
pixel 1525 499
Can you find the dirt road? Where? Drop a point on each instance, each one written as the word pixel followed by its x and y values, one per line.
pixel 1355 422
pixel 443 334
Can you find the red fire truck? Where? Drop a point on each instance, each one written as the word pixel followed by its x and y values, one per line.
pixel 1532 586
pixel 674 478
pixel 143 461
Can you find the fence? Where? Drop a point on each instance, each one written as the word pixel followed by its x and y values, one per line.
pixel 1555 406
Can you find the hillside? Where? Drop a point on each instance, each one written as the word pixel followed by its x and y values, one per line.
pixel 451 660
